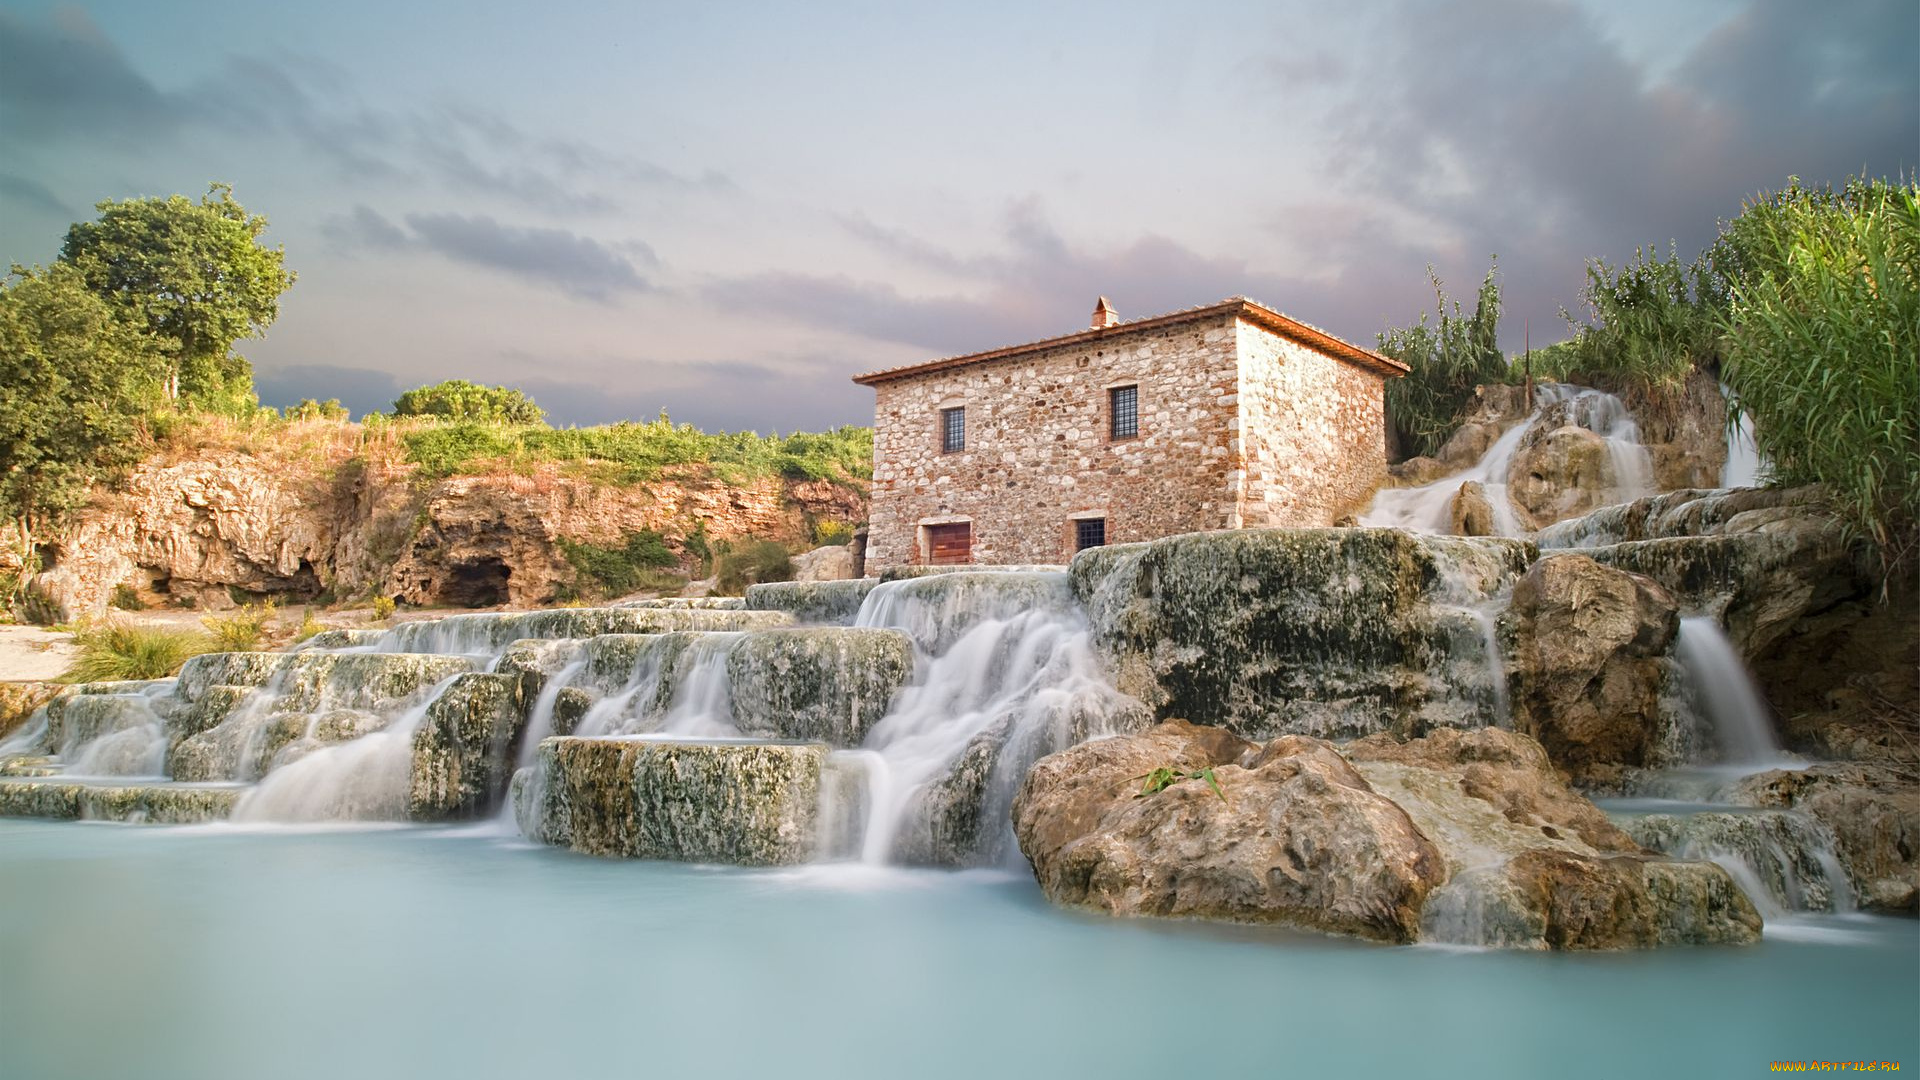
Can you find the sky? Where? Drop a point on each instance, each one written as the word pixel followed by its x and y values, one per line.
pixel 727 210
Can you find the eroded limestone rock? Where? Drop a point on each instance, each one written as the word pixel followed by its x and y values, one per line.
pixel 463 748
pixel 1873 812
pixel 1327 632
pixel 1467 837
pixel 833 603
pixel 1588 662
pixel 828 684
pixel 1299 837
pixel 157 804
pixel 736 802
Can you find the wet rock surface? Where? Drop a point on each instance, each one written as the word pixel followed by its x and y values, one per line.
pixel 1873 812
pixel 463 748
pixel 1588 662
pixel 1328 632
pixel 827 684
pixel 832 603
pixel 739 803
pixel 155 804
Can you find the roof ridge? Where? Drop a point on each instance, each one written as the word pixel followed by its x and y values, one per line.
pixel 1340 348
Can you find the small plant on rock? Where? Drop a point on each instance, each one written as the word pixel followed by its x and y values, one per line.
pixel 382 607
pixel 1165 777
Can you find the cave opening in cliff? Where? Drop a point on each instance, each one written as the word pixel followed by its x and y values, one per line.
pixel 480 583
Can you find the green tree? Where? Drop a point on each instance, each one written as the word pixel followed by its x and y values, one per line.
pixel 78 381
pixel 193 275
pixel 458 399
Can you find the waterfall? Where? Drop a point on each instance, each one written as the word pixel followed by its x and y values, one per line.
pixel 678 686
pixel 540 716
pixel 1005 673
pixel 1424 508
pixel 1721 688
pixel 363 779
pixel 1744 467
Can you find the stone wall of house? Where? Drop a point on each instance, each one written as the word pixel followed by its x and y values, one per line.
pixel 1038 453
pixel 1313 433
pixel 1238 427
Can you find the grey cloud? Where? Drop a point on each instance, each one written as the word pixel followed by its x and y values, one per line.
pixel 566 261
pixel 1519 126
pixel 30 194
pixel 63 77
pixel 361 389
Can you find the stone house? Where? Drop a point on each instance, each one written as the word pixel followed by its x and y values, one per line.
pixel 1220 417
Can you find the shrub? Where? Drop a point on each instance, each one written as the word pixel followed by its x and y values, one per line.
pixel 1821 349
pixel 112 651
pixel 126 599
pixel 309 627
pixel 1446 360
pixel 833 533
pixel 309 409
pixel 37 607
pixel 458 399
pixel 382 607
pixel 242 631
pixel 751 563
pixel 630 452
pixel 1653 321
pixel 616 571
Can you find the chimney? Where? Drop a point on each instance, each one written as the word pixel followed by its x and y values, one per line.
pixel 1104 315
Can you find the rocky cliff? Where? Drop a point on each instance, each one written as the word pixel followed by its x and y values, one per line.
pixel 200 527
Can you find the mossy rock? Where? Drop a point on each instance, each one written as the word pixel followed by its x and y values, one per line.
pixel 1326 632
pixel 825 684
pixel 463 749
pixel 158 804
pixel 827 603
pixel 734 802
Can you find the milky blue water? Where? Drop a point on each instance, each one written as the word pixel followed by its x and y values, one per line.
pixel 211 953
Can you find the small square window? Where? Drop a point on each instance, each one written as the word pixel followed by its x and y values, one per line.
pixel 1089 532
pixel 1123 411
pixel 953 430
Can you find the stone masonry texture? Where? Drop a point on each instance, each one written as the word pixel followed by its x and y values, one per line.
pixel 1239 427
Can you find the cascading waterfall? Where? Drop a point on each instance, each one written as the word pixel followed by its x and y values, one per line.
pixel 1723 688
pixel 1424 508
pixel 1744 467
pixel 358 780
pixel 1005 674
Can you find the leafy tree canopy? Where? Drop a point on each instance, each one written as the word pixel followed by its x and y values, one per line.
pixel 78 381
pixel 458 399
pixel 193 275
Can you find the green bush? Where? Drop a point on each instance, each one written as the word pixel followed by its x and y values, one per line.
pixel 834 533
pixel 308 628
pixel 1822 331
pixel 242 631
pixel 602 571
pixel 1446 360
pixel 382 607
pixel 751 563
pixel 458 399
pixel 309 409
pixel 126 599
pixel 112 651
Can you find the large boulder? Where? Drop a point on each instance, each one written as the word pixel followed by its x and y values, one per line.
pixel 1464 837
pixel 1333 633
pixel 1532 863
pixel 823 684
pixel 831 563
pixel 1295 835
pixel 1560 471
pixel 1588 663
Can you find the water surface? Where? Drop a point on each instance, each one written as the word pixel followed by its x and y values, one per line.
pixel 216 952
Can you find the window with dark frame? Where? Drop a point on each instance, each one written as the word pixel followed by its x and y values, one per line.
pixel 1123 411
pixel 1089 532
pixel 953 430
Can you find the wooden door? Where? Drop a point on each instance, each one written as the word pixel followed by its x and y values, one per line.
pixel 950 545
